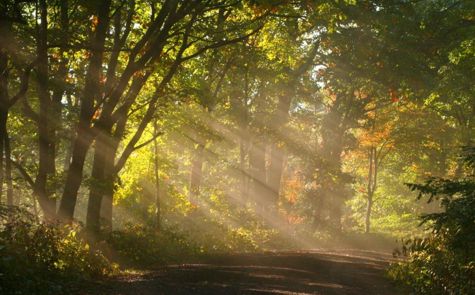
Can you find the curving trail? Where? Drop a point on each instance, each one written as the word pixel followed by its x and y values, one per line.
pixel 346 272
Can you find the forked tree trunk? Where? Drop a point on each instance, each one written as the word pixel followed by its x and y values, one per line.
pixel 84 136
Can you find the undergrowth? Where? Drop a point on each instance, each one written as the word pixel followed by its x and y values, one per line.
pixel 444 261
pixel 40 258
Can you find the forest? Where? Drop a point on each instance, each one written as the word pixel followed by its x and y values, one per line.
pixel 237 147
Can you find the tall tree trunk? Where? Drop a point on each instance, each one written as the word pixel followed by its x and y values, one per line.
pixel 370 187
pixel 3 135
pixel 259 190
pixel 336 210
pixel 277 152
pixel 5 159
pixel 99 212
pixel 110 171
pixel 75 174
pixel 4 98
pixel 59 88
pixel 70 133
pixel 244 179
pixel 196 173
pixel 369 207
pixel 156 175
pixel 276 168
pixel 331 183
pixel 6 103
pixel 8 169
pixel 110 178
pixel 111 167
pixel 278 122
pixel 84 136
pixel 111 146
pixel 3 108
pixel 318 211
pixel 46 167
pixel 243 122
pixel 97 186
pixel 109 142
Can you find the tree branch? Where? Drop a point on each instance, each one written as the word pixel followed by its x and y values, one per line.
pixel 25 79
pixel 24 174
pixel 155 136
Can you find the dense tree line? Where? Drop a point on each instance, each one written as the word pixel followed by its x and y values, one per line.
pixel 89 78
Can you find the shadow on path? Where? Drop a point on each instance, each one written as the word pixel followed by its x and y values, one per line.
pixel 309 272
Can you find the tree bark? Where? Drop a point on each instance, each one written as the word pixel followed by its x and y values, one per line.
pixel 279 120
pixel 5 27
pixel 259 189
pixel 3 111
pixel 371 186
pixel 150 47
pixel 156 175
pixel 84 136
pixel 46 140
pixel 97 185
pixel 110 178
pixel 6 103
pixel 331 181
pixel 8 169
pixel 277 152
pixel 244 179
pixel 276 168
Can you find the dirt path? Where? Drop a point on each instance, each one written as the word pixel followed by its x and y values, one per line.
pixel 309 272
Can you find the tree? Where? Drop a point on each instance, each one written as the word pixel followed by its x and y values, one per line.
pixel 183 26
pixel 11 14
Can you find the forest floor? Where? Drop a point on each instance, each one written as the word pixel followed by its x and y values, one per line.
pixel 350 272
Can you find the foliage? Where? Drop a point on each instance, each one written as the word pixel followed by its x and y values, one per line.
pixel 142 245
pixel 145 246
pixel 444 261
pixel 40 258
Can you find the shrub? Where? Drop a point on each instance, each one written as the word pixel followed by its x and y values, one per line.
pixel 444 261
pixel 39 258
pixel 142 245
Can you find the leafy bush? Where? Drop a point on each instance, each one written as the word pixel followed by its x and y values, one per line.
pixel 444 261
pixel 142 245
pixel 39 258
